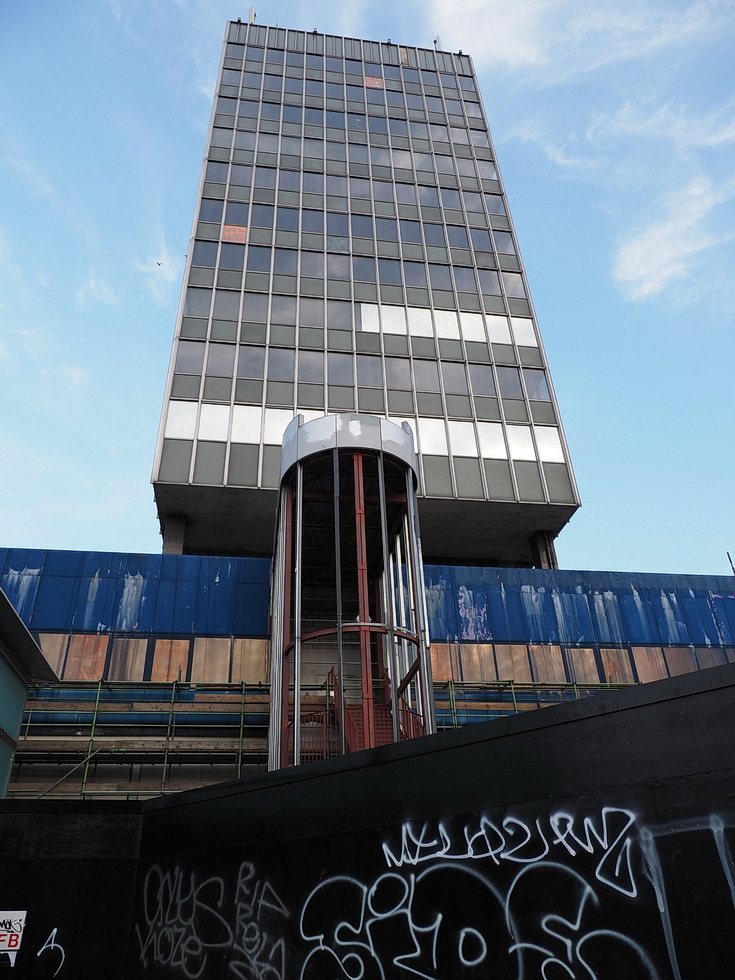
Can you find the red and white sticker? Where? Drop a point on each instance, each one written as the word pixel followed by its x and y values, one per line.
pixel 12 925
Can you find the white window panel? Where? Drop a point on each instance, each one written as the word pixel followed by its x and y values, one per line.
pixel 246 421
pixel 276 420
pixel 492 443
pixel 520 442
pixel 433 437
pixel 369 318
pixel 523 331
pixel 394 319
pixel 311 413
pixel 181 420
pixel 446 324
pixel 462 439
pixel 498 330
pixel 549 444
pixel 399 422
pixel 419 322
pixel 472 326
pixel 213 422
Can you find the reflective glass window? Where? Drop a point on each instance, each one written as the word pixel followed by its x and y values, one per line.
pixel 405 193
pixel 210 210
pixel 451 198
pixel 415 273
pixel 510 382
pixel 369 371
pixel 504 241
pixel 439 276
pixel 481 239
pixel 231 256
pixel 429 197
pixel 398 373
pixel 536 384
pixel 221 360
pixel 434 235
pixel 236 213
pixel 280 364
pixel 216 172
pixel 205 254
pixel 362 226
pixel 313 183
pixel 360 188
pixel 312 264
pixel 262 216
pixel 226 304
pixel 489 282
pixel 259 258
pixel 513 282
pixel 411 232
pixel 426 374
pixel 482 379
pixel 337 223
pixel 250 362
pixel 464 278
pixel 289 180
pixel 337 186
pixel 189 357
pixel 265 177
pixel 454 378
pixel 242 175
pixel 339 367
pixel 338 266
pixel 313 222
pixel 287 219
pixel 383 191
pixel 286 261
pixel 457 236
pixel 389 272
pixel 363 268
pixel 283 310
pixel 386 229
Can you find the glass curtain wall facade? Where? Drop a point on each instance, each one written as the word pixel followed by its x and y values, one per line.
pixel 352 251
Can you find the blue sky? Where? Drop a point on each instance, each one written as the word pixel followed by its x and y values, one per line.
pixel 614 126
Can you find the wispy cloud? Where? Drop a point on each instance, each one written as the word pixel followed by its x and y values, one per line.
pixel 97 290
pixel 568 151
pixel 667 250
pixel 161 271
pixel 556 39
pixel 670 123
pixel 74 375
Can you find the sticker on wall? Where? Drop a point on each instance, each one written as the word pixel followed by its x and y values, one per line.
pixel 12 925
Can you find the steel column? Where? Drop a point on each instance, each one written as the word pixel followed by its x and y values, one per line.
pixel 363 602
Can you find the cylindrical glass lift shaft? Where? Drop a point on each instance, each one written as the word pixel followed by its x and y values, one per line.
pixel 347 560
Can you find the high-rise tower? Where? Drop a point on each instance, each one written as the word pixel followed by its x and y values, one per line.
pixel 352 251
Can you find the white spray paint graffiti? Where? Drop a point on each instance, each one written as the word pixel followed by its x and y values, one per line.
pixel 131 600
